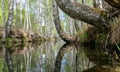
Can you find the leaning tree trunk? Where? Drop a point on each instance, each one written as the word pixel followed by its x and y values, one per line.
pixel 62 34
pixel 93 16
pixel 100 19
pixel 84 13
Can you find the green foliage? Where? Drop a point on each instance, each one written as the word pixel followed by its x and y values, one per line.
pixel 84 36
pixel 103 14
pixel 1 64
pixel 23 41
pixel 11 42
pixel 0 12
pixel 8 41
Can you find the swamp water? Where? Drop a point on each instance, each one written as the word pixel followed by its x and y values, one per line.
pixel 58 57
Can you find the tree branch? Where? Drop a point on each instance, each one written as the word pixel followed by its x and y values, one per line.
pixel 83 13
pixel 64 36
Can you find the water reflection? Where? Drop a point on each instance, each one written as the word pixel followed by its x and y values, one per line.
pixel 74 58
pixel 58 57
pixel 8 59
pixel 32 57
pixel 71 58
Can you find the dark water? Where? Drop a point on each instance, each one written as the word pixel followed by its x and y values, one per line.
pixel 58 57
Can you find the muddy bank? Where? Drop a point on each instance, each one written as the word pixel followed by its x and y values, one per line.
pixel 21 35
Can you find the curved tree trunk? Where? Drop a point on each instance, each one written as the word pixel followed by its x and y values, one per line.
pixel 60 55
pixel 101 19
pixel 62 34
pixel 84 13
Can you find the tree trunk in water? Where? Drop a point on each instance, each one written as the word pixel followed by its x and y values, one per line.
pixel 62 34
pixel 7 32
pixel 103 32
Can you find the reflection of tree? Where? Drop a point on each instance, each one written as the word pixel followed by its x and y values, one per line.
pixel 8 60
pixel 76 59
pixel 103 60
pixel 102 57
pixel 70 58
pixel 86 59
pixel 34 58
pixel 21 57
pixel 60 55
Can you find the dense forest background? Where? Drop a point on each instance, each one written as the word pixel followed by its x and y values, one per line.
pixel 37 16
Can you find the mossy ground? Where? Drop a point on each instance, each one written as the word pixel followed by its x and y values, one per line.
pixel 93 36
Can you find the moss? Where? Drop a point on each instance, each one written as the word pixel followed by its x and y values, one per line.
pixel 8 40
pixel 23 39
pixel 93 36
pixel 86 35
pixel 97 10
pixel 9 46
pixel 100 38
pixel 101 12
